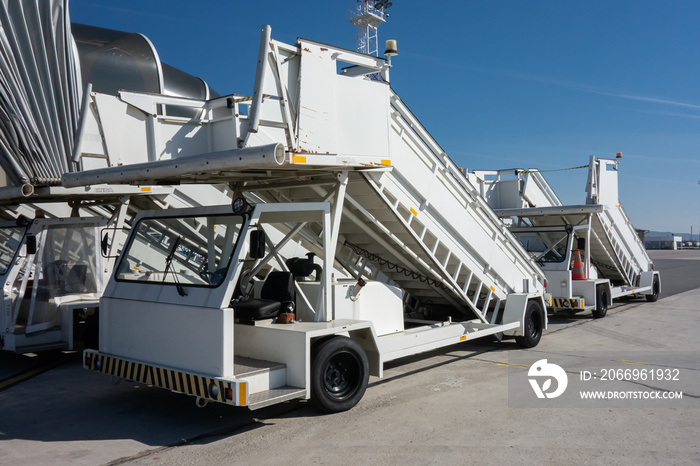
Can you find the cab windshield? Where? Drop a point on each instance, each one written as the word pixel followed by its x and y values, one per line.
pixel 192 251
pixel 10 241
pixel 545 246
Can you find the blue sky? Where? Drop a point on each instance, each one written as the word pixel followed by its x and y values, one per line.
pixel 499 84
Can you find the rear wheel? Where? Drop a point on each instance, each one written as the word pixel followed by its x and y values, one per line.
pixel 656 289
pixel 339 374
pixel 601 302
pixel 533 326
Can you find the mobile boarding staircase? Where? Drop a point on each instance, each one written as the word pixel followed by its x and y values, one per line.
pixel 615 248
pixel 318 127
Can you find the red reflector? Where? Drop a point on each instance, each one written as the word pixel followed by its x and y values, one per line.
pixel 229 394
pixel 546 283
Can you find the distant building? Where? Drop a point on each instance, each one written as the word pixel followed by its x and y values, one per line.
pixel 663 242
pixel 641 233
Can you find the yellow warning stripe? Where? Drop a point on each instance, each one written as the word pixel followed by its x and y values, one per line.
pixel 175 381
pixel 504 364
pixel 574 303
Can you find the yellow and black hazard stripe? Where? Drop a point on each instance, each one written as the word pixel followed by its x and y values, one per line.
pixel 175 381
pixel 564 303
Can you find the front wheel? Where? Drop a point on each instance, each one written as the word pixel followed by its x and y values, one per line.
pixel 601 302
pixel 656 289
pixel 339 374
pixel 533 326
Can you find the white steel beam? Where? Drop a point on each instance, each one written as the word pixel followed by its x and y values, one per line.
pixel 268 156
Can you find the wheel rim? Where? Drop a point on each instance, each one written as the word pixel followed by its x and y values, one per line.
pixel 341 375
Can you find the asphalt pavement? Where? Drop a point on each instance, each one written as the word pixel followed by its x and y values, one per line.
pixel 451 405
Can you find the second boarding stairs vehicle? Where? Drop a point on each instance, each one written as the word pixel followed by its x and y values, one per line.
pixel 590 253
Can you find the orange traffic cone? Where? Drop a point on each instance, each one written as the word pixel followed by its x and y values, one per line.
pixel 577 273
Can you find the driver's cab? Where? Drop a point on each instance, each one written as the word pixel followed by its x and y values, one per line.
pixel 553 247
pixel 226 258
pixel 550 247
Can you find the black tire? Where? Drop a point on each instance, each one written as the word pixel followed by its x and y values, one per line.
pixel 339 374
pixel 534 324
pixel 656 289
pixel 601 302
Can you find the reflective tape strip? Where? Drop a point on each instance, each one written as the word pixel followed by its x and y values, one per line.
pixel 575 303
pixel 243 394
pixel 175 381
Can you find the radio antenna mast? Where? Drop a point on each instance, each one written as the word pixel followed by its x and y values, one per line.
pixel 368 15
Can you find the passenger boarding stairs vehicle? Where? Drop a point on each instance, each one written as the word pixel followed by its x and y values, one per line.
pixel 614 260
pixel 384 248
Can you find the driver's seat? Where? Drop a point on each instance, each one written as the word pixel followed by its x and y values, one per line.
pixel 277 292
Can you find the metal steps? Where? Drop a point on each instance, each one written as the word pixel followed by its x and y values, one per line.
pixel 274 396
pixel 266 382
pixel 612 247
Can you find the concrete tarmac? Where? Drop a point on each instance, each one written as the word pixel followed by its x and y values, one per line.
pixel 444 406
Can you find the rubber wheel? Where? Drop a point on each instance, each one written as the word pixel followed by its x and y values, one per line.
pixel 339 374
pixel 533 326
pixel 656 289
pixel 601 302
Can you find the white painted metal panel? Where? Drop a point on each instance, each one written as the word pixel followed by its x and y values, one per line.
pixel 376 302
pixel 585 289
pixel 559 283
pixel 363 116
pixel 318 123
pixel 190 338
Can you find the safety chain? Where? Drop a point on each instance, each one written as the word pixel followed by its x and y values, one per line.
pixel 603 266
pixel 390 265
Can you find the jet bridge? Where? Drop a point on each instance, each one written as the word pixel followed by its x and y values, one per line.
pixel 43 107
